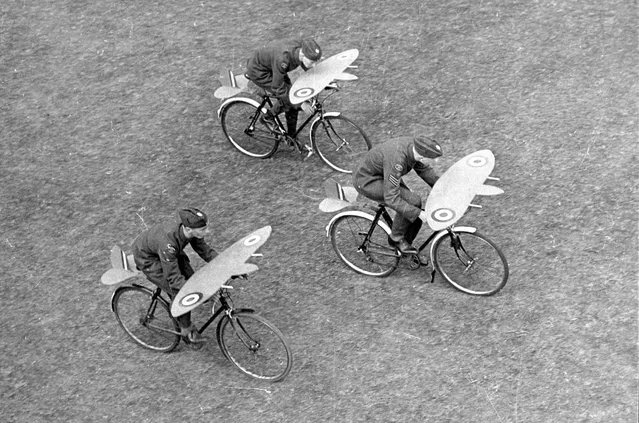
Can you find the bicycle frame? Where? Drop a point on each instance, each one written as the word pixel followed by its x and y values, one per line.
pixel 266 101
pixel 381 212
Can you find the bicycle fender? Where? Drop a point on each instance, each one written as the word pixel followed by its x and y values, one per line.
pixel 325 114
pixel 236 99
pixel 355 213
pixel 442 234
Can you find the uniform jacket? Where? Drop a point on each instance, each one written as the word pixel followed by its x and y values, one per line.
pixel 165 244
pixel 268 66
pixel 389 162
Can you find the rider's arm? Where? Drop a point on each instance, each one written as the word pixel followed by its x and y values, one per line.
pixel 427 173
pixel 281 83
pixel 203 249
pixel 393 172
pixel 170 266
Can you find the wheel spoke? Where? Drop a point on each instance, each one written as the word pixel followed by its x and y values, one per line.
pixel 339 142
pixel 471 263
pixel 255 346
pixel 367 255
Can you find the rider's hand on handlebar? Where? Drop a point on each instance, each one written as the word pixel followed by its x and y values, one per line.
pixel 307 107
pixel 422 216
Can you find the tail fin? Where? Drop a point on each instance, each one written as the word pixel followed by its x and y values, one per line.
pixel 118 258
pixel 338 196
pixel 122 260
pixel 333 189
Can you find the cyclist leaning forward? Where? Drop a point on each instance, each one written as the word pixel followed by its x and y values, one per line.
pixel 159 254
pixel 379 177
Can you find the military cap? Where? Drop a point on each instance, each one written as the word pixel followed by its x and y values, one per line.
pixel 311 49
pixel 193 218
pixel 427 147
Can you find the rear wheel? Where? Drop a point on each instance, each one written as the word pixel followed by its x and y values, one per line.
pixel 369 255
pixel 339 142
pixel 147 321
pixel 255 140
pixel 470 262
pixel 255 346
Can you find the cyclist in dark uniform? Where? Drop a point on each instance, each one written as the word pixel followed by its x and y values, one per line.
pixel 159 254
pixel 379 177
pixel 268 68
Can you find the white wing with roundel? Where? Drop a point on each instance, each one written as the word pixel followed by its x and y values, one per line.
pixel 312 82
pixel 454 191
pixel 210 278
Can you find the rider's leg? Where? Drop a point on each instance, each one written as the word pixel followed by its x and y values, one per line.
pixel 291 114
pixel 155 275
pixel 400 229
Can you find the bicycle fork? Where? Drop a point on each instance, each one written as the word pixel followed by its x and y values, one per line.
pixel 239 330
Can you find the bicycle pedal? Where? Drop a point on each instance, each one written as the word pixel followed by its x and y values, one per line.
pixel 306 152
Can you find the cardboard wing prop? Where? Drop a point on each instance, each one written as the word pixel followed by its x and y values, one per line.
pixel 454 191
pixel 312 82
pixel 207 280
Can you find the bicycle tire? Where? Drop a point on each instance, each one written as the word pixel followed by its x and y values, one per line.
pixel 268 357
pixel 339 142
pixel 236 117
pixel 157 331
pixel 376 257
pixel 479 269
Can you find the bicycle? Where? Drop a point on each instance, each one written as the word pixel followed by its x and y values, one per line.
pixel 361 242
pixel 253 344
pixel 336 139
pixel 466 258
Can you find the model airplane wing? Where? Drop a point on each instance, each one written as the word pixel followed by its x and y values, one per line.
pixel 311 83
pixel 207 280
pixel 452 194
pixel 122 267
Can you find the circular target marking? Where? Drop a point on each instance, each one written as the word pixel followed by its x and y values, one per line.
pixel 304 92
pixel 443 215
pixel 191 299
pixel 477 161
pixel 252 240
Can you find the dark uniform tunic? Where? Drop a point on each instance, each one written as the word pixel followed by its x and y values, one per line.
pixel 268 68
pixel 159 254
pixel 379 177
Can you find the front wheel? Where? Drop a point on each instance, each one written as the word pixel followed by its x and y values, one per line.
pixel 147 320
pixel 339 142
pixel 244 131
pixel 255 346
pixel 362 246
pixel 470 262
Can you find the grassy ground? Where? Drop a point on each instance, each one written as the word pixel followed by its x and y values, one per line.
pixel 108 125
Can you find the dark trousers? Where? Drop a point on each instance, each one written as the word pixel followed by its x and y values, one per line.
pixel 153 272
pixel 402 227
pixel 280 104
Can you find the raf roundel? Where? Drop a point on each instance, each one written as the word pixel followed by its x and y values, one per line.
pixel 304 92
pixel 252 240
pixel 191 299
pixel 443 215
pixel 477 161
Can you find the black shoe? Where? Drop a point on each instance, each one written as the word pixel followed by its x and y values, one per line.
pixel 403 246
pixel 194 337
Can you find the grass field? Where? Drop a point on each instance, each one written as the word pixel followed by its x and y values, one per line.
pixel 108 124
